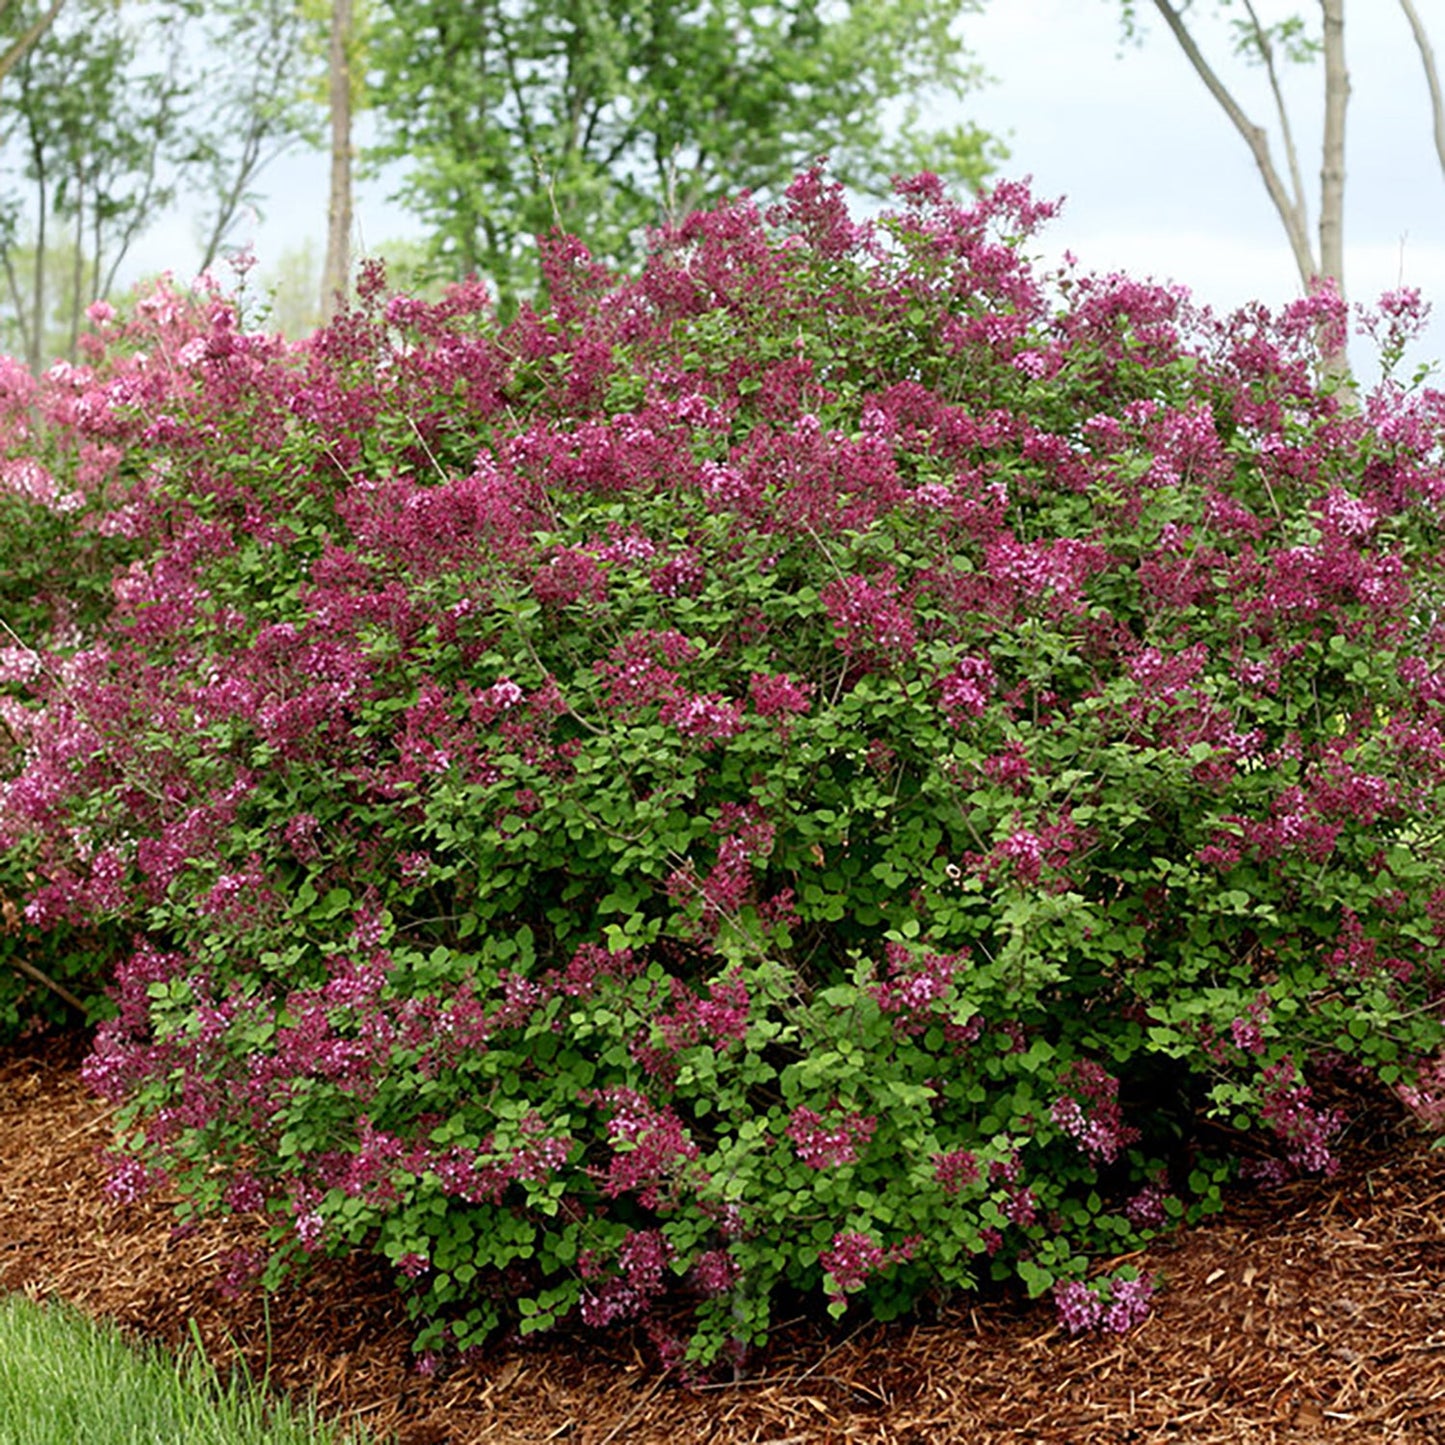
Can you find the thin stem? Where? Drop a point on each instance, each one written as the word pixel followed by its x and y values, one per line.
pixel 41 977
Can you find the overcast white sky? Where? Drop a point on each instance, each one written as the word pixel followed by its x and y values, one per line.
pixel 1156 180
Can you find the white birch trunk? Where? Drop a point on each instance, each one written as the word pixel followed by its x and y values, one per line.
pixel 336 275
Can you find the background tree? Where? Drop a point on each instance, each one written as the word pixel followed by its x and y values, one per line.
pixel 110 115
pixel 21 26
pixel 91 120
pixel 1271 46
pixel 1432 75
pixel 254 105
pixel 603 118
pixel 336 275
pixel 292 287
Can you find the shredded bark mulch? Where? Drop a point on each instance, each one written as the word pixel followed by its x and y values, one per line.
pixel 1315 1312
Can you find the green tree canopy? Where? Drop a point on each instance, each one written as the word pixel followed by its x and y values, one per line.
pixel 604 118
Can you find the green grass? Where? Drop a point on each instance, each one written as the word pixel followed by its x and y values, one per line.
pixel 67 1381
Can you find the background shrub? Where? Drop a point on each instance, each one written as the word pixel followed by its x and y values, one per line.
pixel 73 482
pixel 810 769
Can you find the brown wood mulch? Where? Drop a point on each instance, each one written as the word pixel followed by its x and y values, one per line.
pixel 1315 1313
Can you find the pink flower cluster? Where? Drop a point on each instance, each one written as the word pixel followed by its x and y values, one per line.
pixel 1247 1030
pixel 1425 1096
pixel 1148 1208
pixel 828 1142
pixel 1116 1310
pixel 1025 853
pixel 874 629
pixel 956 1170
pixel 916 984
pixel 1305 1131
pixel 643 1257
pixel 966 691
pixel 854 1256
pixel 1089 1113
pixel 651 1147
pixel 778 695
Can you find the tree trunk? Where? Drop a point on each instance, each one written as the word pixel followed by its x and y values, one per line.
pixel 1432 76
pixel 336 277
pixel 1332 167
pixel 1334 348
pixel 77 276
pixel 36 340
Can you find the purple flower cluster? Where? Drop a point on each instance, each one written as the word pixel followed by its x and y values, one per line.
pixel 828 1142
pixel 871 619
pixel 966 691
pixel 1304 1131
pixel 642 1259
pixel 956 1169
pixel 242 1269
pixel 129 1180
pixel 650 1145
pixel 1148 1208
pixel 715 1272
pixel 854 1256
pixel 1116 1309
pixel 915 984
pixel 1089 1113
pixel 1425 1096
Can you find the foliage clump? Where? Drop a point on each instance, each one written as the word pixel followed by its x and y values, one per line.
pixel 810 769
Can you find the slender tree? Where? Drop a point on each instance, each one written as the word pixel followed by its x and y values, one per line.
pixel 257 104
pixel 1270 47
pixel 109 114
pixel 336 274
pixel 1332 155
pixel 1432 76
pixel 1319 257
pixel 33 25
pixel 91 123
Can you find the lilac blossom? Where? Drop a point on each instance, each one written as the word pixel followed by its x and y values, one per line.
pixel 1116 1308
pixel 832 1140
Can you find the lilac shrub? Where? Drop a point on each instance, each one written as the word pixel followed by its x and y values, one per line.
pixel 70 482
pixel 811 768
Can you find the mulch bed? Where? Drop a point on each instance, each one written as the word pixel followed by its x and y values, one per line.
pixel 1313 1313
